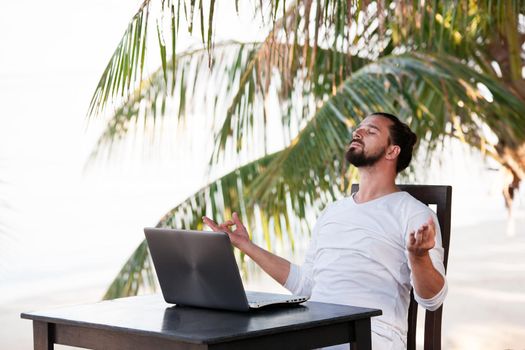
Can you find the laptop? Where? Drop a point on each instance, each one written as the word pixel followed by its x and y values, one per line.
pixel 198 268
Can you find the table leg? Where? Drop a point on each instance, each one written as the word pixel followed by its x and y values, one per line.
pixel 363 335
pixel 42 335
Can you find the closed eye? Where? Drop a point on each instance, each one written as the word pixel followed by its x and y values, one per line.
pixel 369 129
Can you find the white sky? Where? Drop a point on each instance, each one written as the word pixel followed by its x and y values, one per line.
pixel 51 56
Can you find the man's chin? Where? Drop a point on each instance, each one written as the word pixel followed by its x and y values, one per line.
pixel 356 151
pixel 354 158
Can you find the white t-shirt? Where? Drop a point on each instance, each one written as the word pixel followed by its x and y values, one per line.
pixel 358 256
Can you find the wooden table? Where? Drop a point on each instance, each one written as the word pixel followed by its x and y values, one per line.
pixel 147 322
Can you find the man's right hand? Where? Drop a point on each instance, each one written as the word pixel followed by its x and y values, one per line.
pixel 274 265
pixel 239 236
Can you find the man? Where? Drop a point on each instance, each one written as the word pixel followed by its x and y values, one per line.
pixel 368 249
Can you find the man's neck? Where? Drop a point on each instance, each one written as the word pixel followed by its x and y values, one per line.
pixel 375 183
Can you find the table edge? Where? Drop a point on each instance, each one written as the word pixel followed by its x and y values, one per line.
pixel 211 340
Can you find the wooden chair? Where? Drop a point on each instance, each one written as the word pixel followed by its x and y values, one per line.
pixel 441 196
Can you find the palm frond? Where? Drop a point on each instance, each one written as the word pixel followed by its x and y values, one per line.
pixel 431 93
pixel 183 87
pixel 124 71
pixel 442 91
pixel 297 69
pixel 218 200
pixel 229 193
pixel 126 64
pixel 294 68
pixel 306 75
pixel 136 274
pixel 357 27
pixel 237 72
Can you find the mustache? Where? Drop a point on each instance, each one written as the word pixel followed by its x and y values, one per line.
pixel 356 141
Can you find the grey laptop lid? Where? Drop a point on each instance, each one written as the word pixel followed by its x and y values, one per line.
pixel 198 268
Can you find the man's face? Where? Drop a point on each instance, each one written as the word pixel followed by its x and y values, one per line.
pixel 369 142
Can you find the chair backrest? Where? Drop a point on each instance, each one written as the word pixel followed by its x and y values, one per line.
pixel 441 197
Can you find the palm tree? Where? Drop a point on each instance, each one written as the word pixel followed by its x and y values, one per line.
pixel 448 68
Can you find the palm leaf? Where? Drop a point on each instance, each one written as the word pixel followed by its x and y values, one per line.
pixel 124 71
pixel 305 64
pixel 174 89
pixel 237 65
pixel 446 26
pixel 125 65
pixel 217 200
pixel 459 31
pixel 137 273
pixel 423 90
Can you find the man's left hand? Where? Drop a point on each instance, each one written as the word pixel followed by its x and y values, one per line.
pixel 422 240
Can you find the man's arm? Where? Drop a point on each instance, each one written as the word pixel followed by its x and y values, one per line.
pixel 277 267
pixel 428 281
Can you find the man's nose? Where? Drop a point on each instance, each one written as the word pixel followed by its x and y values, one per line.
pixel 356 134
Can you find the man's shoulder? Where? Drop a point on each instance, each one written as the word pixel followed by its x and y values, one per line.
pixel 409 212
pixel 405 202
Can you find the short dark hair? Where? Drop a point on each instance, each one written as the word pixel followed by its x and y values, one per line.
pixel 402 136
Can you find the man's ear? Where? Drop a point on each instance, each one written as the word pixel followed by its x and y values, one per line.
pixel 392 152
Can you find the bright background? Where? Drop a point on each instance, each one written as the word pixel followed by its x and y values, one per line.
pixel 68 231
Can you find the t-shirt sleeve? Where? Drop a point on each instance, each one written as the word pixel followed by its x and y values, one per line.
pixel 300 279
pixel 436 254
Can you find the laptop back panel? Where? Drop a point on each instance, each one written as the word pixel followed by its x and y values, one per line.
pixel 196 268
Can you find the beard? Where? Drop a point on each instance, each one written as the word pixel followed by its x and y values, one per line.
pixel 357 157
